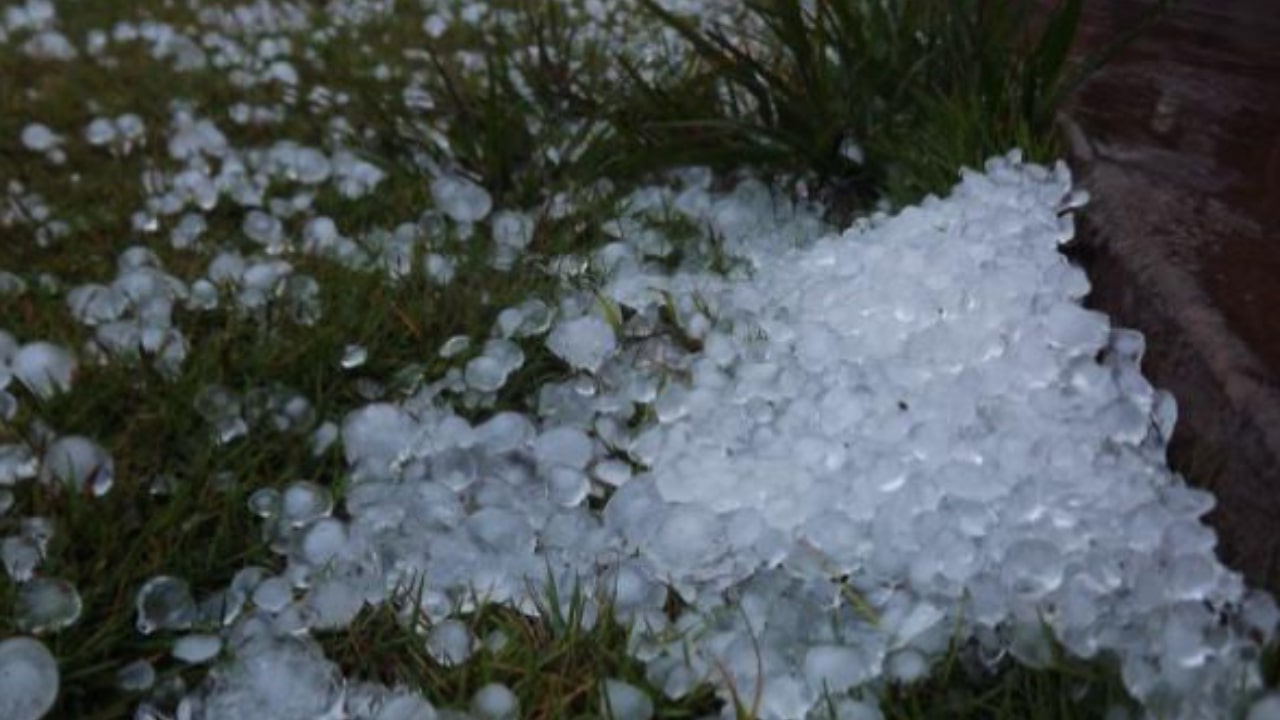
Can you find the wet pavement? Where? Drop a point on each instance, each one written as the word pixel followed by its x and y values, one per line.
pixel 1178 140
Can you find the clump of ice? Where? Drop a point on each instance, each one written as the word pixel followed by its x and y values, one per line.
pixel 133 316
pixel 913 413
pixel 838 453
pixel 286 678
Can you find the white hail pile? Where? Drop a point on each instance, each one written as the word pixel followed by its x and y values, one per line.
pixel 852 447
pixel 919 406
pixel 916 413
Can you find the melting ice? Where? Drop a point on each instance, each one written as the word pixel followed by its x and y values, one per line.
pixel 28 679
pixel 836 456
pixel 915 413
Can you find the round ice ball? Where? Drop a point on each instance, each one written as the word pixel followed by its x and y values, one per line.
pixel 28 679
pixel 495 701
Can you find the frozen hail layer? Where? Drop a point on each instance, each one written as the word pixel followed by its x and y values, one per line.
pixel 905 429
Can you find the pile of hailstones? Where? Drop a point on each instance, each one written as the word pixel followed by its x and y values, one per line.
pixel 859 444
pixel 919 407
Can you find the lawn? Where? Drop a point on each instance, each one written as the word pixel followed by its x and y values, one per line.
pixel 259 260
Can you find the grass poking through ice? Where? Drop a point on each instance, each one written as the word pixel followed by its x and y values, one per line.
pixel 860 101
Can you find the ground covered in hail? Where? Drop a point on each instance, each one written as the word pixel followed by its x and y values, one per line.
pixel 839 451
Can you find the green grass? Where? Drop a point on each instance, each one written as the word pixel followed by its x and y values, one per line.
pixel 923 89
pixel 920 88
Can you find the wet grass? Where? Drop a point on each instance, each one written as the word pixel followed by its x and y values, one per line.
pixel 1068 689
pixel 555 667
pixel 178 506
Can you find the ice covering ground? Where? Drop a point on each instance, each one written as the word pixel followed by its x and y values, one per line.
pixel 842 453
pixel 916 413
pixel 919 406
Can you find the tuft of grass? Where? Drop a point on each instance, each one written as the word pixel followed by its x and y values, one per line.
pixel 1067 689
pixel 871 100
pixel 556 663
pixel 202 531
